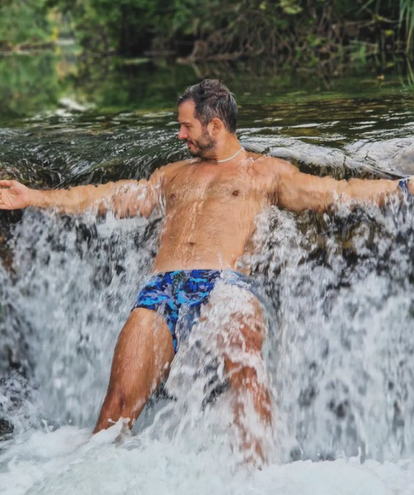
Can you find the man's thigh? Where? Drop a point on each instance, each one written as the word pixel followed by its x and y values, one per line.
pixel 234 320
pixel 144 349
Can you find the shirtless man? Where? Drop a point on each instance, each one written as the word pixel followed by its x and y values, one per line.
pixel 210 204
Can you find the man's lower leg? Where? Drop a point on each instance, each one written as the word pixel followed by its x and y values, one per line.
pixel 252 411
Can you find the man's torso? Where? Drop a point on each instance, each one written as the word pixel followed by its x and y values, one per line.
pixel 210 211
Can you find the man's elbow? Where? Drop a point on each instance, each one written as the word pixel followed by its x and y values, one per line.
pixel 133 200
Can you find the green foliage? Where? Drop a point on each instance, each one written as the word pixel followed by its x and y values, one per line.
pixel 407 20
pixel 23 21
pixel 220 29
pixel 124 26
pixel 28 84
pixel 290 7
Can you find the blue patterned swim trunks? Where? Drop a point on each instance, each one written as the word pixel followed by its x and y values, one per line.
pixel 179 295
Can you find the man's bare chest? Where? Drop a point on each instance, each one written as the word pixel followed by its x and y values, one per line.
pixel 220 188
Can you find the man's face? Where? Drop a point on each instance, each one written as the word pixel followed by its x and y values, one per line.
pixel 198 138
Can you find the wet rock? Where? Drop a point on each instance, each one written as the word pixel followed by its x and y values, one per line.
pixel 6 429
pixel 391 155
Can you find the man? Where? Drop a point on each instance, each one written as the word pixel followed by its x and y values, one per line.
pixel 210 204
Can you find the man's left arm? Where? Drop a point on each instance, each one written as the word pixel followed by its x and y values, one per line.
pixel 298 191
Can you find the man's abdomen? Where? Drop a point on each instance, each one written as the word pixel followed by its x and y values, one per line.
pixel 206 242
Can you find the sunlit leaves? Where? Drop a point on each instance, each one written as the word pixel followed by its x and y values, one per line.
pixel 224 28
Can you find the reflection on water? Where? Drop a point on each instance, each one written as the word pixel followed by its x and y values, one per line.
pixel 37 83
pixel 340 348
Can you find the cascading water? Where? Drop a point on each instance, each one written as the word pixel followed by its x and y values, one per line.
pixel 339 352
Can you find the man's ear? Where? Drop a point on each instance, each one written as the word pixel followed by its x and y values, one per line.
pixel 216 126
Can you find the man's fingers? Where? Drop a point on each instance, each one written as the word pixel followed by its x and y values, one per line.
pixel 5 183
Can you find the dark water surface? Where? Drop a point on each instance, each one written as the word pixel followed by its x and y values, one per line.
pixel 64 122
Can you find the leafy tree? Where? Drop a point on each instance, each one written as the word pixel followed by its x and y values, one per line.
pixel 23 21
pixel 221 29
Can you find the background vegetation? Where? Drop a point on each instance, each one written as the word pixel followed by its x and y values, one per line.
pixel 215 29
pixel 23 21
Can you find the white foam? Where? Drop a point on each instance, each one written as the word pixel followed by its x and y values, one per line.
pixel 68 461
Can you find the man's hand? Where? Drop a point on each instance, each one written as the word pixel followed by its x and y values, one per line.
pixel 13 195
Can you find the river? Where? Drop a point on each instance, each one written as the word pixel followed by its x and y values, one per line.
pixel 340 346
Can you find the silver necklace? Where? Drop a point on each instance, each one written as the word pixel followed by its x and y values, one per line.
pixel 231 158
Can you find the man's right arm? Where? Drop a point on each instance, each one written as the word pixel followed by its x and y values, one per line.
pixel 124 198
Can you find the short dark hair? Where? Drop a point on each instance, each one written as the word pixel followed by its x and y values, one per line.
pixel 212 99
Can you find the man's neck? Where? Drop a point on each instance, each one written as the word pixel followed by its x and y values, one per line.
pixel 226 153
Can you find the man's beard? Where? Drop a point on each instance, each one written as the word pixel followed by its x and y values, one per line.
pixel 204 143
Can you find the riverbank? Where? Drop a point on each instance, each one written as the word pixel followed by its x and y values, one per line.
pixel 290 31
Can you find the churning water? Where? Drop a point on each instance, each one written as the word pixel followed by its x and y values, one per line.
pixel 339 286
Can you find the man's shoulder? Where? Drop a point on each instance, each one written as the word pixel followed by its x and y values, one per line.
pixel 255 156
pixel 274 165
pixel 166 170
pixel 283 166
pixel 174 166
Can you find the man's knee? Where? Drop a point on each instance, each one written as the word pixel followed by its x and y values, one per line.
pixel 252 333
pixel 242 350
pixel 245 333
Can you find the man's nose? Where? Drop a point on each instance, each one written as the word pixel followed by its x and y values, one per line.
pixel 182 133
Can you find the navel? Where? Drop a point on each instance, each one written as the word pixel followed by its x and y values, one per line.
pixel 172 196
